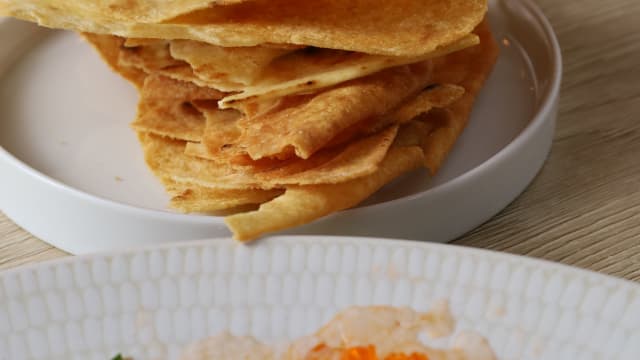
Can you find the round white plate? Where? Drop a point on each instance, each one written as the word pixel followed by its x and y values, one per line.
pixel 73 172
pixel 150 303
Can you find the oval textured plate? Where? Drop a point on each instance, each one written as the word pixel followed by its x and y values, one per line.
pixel 72 169
pixel 150 303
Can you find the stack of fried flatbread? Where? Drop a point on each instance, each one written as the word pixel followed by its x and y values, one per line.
pixel 279 112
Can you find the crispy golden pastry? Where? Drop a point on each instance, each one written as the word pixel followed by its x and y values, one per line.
pixel 434 135
pixel 394 28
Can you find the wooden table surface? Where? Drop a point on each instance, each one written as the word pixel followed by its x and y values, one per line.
pixel 584 207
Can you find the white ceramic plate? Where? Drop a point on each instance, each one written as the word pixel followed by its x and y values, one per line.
pixel 72 169
pixel 150 303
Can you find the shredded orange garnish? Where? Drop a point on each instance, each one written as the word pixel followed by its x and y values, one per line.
pixel 318 348
pixel 360 353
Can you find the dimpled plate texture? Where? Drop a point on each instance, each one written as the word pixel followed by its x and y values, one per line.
pixel 150 303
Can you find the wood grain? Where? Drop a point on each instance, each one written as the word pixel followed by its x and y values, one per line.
pixel 584 207
pixel 18 247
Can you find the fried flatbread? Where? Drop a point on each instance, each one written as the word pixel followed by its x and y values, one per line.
pixel 166 109
pixel 424 141
pixel 394 28
pixel 302 204
pixel 305 124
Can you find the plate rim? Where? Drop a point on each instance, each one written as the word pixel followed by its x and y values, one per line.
pixel 533 268
pixel 309 240
pixel 538 119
